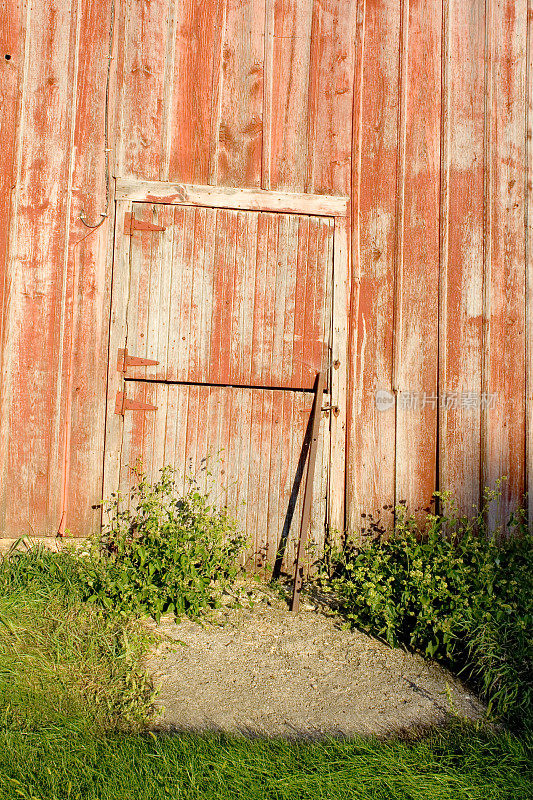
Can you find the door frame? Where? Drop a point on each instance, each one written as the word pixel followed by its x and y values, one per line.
pixel 129 191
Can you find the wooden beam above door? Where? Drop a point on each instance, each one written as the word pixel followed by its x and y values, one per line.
pixel 183 194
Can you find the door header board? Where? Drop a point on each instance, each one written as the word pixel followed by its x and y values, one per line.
pixel 184 194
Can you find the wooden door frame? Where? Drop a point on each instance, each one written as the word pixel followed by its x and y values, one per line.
pixel 129 191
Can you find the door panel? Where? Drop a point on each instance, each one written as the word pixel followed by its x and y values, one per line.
pixel 230 297
pixel 236 307
pixel 242 445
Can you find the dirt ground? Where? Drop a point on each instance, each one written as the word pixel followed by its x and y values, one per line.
pixel 264 671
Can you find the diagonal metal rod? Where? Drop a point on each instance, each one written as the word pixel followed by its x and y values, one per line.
pixel 308 493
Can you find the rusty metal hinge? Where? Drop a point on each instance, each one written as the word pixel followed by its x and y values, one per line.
pixel 124 360
pixel 123 404
pixel 132 224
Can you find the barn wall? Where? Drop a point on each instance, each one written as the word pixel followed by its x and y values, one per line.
pixel 442 263
pixel 419 110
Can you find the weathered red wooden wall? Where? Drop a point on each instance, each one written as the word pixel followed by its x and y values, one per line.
pixel 442 297
pixel 420 109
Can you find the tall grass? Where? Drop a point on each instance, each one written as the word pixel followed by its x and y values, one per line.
pixel 63 663
pixel 458 764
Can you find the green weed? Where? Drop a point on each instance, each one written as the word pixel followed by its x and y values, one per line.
pixel 452 592
pixel 161 552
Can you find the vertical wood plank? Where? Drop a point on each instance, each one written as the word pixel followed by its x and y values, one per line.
pixel 503 418
pixel 14 40
pixel 143 32
pixel 287 49
pixel 120 291
pixel 32 424
pixel 370 475
pixel 339 376
pixel 199 29
pixel 237 139
pixel 176 268
pixel 418 257
pixel 461 279
pixel 331 77
pixel 89 271
pixel 529 263
pixel 11 76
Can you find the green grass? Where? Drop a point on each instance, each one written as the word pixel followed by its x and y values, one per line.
pixel 459 764
pixel 73 698
pixel 63 663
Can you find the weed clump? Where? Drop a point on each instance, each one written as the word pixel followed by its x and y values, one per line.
pixel 162 552
pixel 453 592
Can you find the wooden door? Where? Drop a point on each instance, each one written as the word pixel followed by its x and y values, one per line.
pixel 221 319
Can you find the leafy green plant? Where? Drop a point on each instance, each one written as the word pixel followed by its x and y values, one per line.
pixel 161 552
pixel 452 592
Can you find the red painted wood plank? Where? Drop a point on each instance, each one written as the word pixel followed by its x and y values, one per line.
pixel 11 72
pixel 143 32
pixel 461 328
pixel 529 263
pixel 287 47
pixel 200 26
pixel 89 275
pixel 12 41
pixel 418 256
pixel 371 428
pixel 34 417
pixel 503 419
pixel 237 136
pixel 331 96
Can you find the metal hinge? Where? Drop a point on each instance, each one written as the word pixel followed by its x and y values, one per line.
pixel 124 360
pixel 132 224
pixel 122 404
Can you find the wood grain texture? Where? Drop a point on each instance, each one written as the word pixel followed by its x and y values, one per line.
pixel 239 445
pixel 237 137
pixel 371 429
pixel 503 420
pixel 14 26
pixel 141 191
pixel 89 273
pixel 213 297
pixel 304 97
pixel 286 94
pixel 11 72
pixel 416 299
pixel 529 261
pixel 198 42
pixel 331 76
pixel 143 31
pixel 33 415
pixel 461 271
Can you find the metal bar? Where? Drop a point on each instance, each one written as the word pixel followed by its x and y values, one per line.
pixel 308 493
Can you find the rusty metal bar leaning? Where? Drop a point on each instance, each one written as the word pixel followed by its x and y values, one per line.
pixel 308 492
